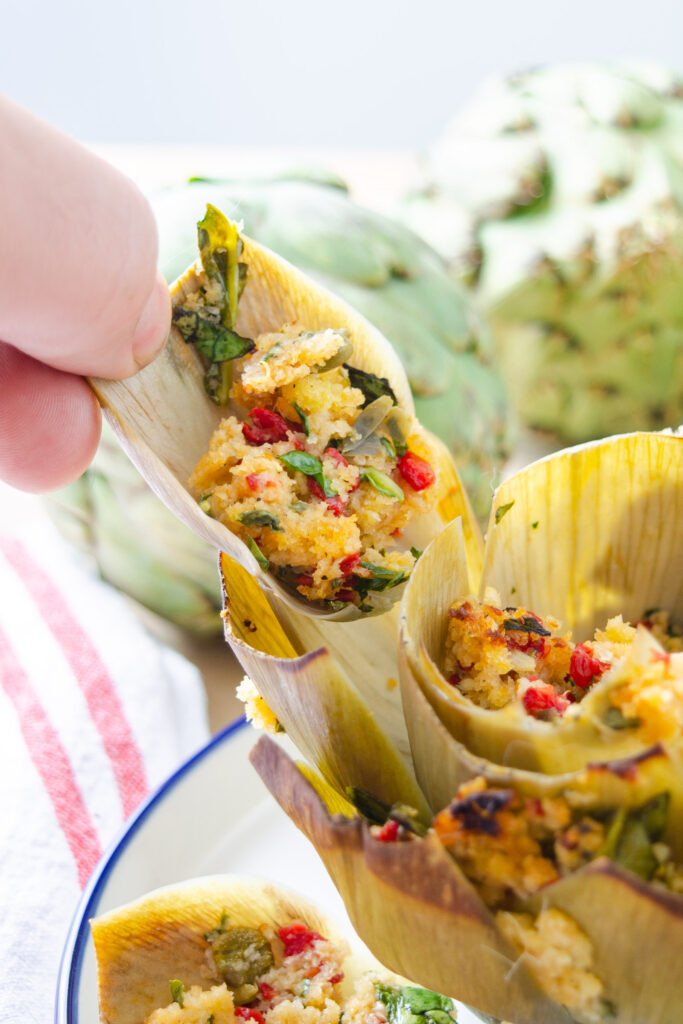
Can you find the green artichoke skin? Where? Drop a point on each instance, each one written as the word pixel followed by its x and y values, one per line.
pixel 136 544
pixel 390 276
pixel 557 195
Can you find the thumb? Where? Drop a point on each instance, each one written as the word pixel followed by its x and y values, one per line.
pixel 78 247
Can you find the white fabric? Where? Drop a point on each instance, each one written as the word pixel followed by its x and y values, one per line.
pixel 94 714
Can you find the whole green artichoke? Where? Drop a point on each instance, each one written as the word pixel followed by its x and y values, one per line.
pixel 390 276
pixel 557 194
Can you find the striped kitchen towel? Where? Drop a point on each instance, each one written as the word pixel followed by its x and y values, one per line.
pixel 94 713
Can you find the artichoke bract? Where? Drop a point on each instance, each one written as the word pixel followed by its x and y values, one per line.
pixel 543 850
pixel 556 193
pixel 136 544
pixel 392 277
pixel 224 948
pixel 223 400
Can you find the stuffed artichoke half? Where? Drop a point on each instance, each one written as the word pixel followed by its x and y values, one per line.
pixel 557 194
pixel 226 949
pixel 539 813
pixel 279 425
pixel 391 276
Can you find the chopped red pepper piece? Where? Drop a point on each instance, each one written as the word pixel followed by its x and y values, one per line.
pixel 336 978
pixel 304 581
pixel 348 564
pixel 416 471
pixel 253 479
pixel 266 990
pixel 335 503
pixel 268 427
pixel 584 667
pixel 246 1013
pixel 297 937
pixel 388 832
pixel 542 697
pixel 334 453
pixel 345 594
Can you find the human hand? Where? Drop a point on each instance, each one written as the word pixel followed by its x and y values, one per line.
pixel 79 295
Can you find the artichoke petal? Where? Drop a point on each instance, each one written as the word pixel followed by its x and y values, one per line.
pixel 164 419
pixel 411 904
pixel 140 947
pixel 622 554
pixel 347 722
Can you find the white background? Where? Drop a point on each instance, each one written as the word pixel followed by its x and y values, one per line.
pixel 348 73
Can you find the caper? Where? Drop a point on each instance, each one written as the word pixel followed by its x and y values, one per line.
pixel 241 956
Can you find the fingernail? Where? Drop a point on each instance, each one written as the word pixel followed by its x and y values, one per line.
pixel 154 324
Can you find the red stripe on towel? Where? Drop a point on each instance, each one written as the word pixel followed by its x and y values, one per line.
pixel 90 673
pixel 51 762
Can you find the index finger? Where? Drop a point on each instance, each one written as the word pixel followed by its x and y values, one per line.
pixel 78 248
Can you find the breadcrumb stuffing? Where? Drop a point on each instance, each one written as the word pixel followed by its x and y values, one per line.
pixel 326 517
pixel 560 955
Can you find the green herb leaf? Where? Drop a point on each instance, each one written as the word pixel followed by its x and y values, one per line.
pixel 259 517
pixel 415 552
pixel 382 483
pixel 215 342
pixel 382 579
pixel 309 465
pixel 258 554
pixel 371 807
pixel 534 526
pixel 177 991
pixel 298 506
pixel 388 447
pixel 303 417
pixel 502 510
pixel 372 386
pixel 614 718
pixel 302 462
pixel 272 351
pixel 527 624
pixel 412 1005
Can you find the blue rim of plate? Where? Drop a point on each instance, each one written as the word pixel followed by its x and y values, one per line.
pixel 71 963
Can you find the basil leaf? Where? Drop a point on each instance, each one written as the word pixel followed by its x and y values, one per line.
pixel 382 483
pixel 412 1005
pixel 415 552
pixel 303 417
pixel 258 554
pixel 215 342
pixel 177 991
pixel 309 465
pixel 372 386
pixel 302 462
pixel 527 624
pixel 259 517
pixel 382 579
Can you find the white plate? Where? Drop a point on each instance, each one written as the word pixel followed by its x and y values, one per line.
pixel 213 815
